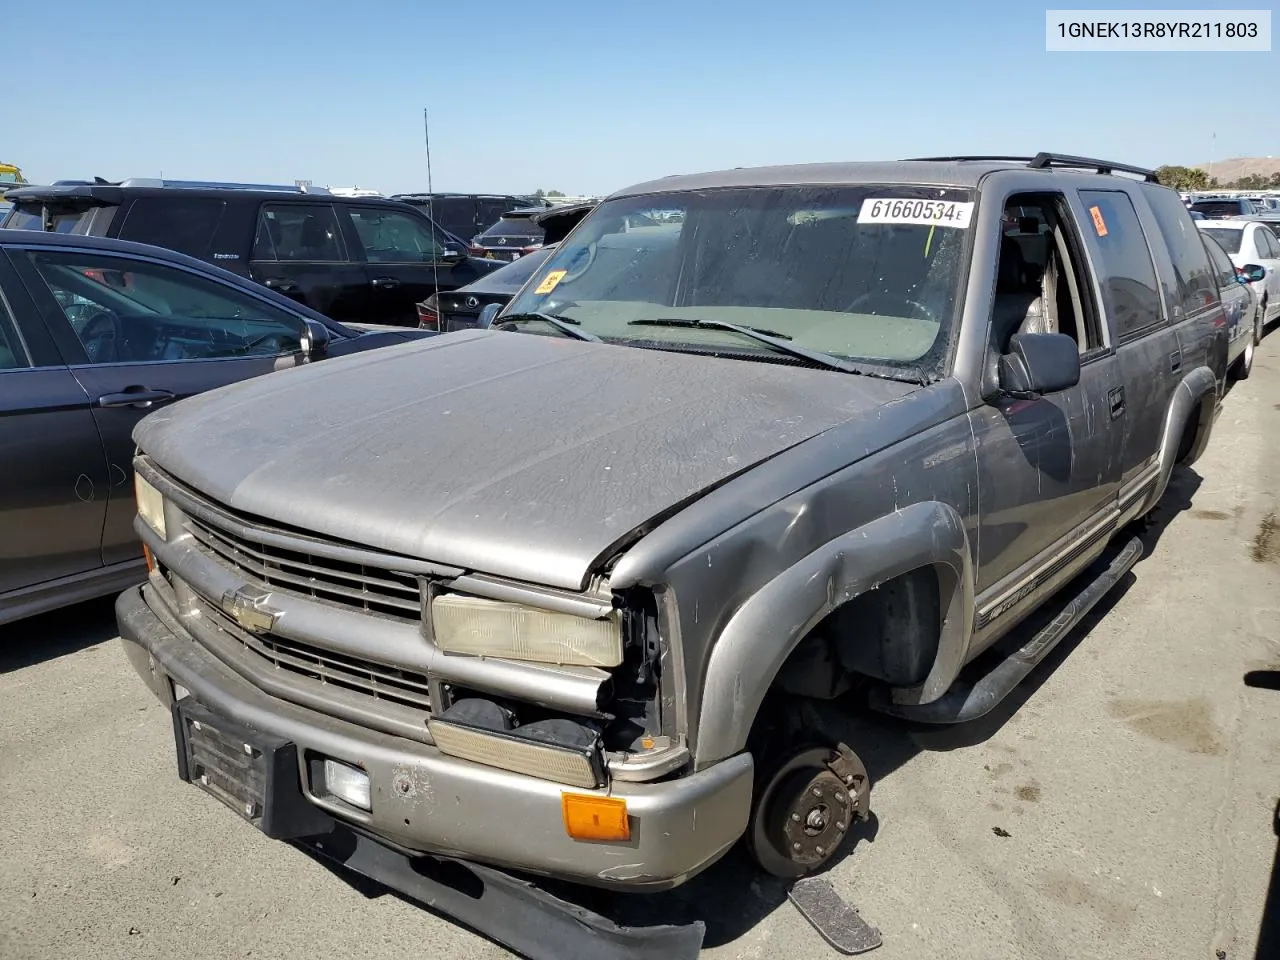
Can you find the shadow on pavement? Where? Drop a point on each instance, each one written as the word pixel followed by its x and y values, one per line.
pixel 1269 928
pixel 56 634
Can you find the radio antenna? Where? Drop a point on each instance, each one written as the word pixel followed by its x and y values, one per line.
pixel 431 212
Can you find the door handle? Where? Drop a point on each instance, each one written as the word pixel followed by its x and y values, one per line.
pixel 386 283
pixel 1175 361
pixel 138 397
pixel 280 285
pixel 1116 399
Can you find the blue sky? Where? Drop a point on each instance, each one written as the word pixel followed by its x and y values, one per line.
pixel 589 97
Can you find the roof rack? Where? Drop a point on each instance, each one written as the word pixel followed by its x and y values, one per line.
pixel 191 185
pixel 1046 160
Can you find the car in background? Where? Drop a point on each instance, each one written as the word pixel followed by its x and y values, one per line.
pixel 1255 251
pixel 10 176
pixel 460 309
pixel 514 235
pixel 1222 208
pixel 1197 215
pixel 354 259
pixel 466 215
pixel 1242 309
pixel 94 334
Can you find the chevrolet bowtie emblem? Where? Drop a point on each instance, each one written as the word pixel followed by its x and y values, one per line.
pixel 247 606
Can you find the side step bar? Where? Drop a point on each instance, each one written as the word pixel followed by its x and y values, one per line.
pixel 965 701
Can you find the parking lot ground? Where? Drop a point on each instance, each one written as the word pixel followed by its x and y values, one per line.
pixel 1119 805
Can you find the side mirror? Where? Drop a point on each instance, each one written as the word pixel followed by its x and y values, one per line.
pixel 1253 272
pixel 487 315
pixel 454 251
pixel 315 339
pixel 1039 363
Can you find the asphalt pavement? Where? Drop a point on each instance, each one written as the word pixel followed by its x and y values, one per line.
pixel 1120 804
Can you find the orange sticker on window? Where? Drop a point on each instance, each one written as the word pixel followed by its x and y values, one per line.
pixel 1099 224
pixel 549 281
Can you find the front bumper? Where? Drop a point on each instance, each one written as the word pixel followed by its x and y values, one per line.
pixel 425 801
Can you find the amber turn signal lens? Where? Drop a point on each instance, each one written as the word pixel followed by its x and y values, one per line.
pixel 151 561
pixel 595 818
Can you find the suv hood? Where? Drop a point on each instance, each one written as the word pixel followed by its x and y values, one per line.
pixel 515 454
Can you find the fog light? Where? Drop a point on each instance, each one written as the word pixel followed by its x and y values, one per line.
pixel 347 784
pixel 588 817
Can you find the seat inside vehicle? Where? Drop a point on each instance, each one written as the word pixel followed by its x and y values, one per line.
pixel 1037 288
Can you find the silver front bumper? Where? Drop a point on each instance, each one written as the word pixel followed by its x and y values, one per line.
pixel 426 801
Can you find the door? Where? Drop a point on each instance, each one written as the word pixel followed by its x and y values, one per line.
pixel 1147 345
pixel 53 485
pixel 139 334
pixel 1049 468
pixel 299 251
pixel 406 262
pixel 1237 300
pixel 1268 250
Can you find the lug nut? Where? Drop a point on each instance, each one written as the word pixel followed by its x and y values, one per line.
pixel 817 792
pixel 842 799
pixel 819 850
pixel 849 778
pixel 796 847
pixel 840 826
pixel 795 817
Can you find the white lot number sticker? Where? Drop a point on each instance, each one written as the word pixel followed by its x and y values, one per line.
pixel 929 213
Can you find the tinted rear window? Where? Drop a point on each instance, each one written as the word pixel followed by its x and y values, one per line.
pixel 1194 284
pixel 1218 208
pixel 1230 239
pixel 514 227
pixel 184 224
pixel 27 216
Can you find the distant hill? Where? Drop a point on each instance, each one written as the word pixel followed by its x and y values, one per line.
pixel 1228 171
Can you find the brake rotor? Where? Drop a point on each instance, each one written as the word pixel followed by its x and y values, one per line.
pixel 806 809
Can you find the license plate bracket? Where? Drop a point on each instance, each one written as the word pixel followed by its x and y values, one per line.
pixel 251 772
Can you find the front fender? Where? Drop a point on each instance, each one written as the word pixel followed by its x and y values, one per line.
pixel 763 632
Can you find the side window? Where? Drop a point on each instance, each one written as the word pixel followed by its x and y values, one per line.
pixel 389 236
pixel 1223 268
pixel 1266 243
pixel 184 224
pixel 126 310
pixel 12 354
pixel 298 232
pixel 1128 273
pixel 1194 287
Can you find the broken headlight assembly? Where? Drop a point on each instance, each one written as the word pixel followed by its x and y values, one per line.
pixel 494 628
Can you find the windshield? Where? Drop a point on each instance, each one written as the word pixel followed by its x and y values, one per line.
pixel 866 273
pixel 1230 239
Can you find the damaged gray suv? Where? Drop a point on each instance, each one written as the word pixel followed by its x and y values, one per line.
pixel 542 598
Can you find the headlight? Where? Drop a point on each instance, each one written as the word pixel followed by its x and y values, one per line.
pixel 150 504
pixel 492 628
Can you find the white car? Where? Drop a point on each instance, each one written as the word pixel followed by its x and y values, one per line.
pixel 1251 244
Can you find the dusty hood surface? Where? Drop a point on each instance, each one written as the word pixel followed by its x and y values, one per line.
pixel 509 453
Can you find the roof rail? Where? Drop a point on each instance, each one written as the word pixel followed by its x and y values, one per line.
pixel 218 185
pixel 1042 161
pixel 1045 160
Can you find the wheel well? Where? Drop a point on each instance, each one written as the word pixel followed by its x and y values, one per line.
pixel 888 634
pixel 1198 423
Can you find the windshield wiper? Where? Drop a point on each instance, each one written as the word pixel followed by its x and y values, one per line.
pixel 565 325
pixel 768 338
pixel 779 342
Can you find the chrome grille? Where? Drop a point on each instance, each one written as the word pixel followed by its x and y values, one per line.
pixel 353 585
pixel 381 682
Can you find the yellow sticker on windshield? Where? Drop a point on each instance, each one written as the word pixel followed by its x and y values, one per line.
pixel 550 280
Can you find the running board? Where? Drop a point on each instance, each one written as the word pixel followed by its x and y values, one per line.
pixel 968 701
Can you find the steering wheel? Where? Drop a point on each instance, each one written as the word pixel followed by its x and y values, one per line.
pixel 918 310
pixel 101 336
